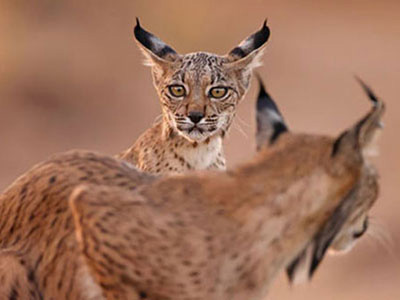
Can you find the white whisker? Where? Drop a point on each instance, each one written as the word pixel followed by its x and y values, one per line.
pixel 157 119
pixel 243 122
pixel 382 236
pixel 240 129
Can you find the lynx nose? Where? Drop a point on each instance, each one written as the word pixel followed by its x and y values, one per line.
pixel 195 116
pixel 359 234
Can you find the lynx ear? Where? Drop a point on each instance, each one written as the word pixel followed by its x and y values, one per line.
pixel 155 50
pixel 362 133
pixel 248 53
pixel 270 123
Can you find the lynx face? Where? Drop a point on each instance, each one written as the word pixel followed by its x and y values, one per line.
pixel 199 91
pixel 357 224
pixel 366 191
pixel 210 94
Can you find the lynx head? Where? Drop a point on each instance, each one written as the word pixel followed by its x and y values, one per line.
pixel 199 91
pixel 340 158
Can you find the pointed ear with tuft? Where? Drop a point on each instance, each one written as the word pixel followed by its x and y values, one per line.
pixel 155 50
pixel 270 123
pixel 359 137
pixel 248 53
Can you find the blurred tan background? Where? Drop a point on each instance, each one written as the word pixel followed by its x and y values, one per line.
pixel 71 77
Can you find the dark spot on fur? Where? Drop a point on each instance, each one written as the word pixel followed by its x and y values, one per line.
pixel 24 189
pixel 235 255
pixel 13 294
pixel 31 276
pixel 223 133
pixel 194 274
pixel 197 282
pixel 186 263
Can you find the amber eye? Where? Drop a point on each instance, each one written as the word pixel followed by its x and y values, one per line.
pixel 218 92
pixel 177 90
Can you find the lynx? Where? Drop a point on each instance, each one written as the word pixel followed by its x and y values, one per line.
pixel 86 226
pixel 199 93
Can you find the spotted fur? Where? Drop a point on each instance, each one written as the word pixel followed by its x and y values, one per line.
pixel 178 142
pixel 86 226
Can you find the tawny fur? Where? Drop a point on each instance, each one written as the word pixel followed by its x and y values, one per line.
pixel 86 226
pixel 207 235
pixel 176 144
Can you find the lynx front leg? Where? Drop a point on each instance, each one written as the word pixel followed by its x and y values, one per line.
pixel 15 280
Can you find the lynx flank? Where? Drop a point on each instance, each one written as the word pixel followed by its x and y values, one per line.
pixel 220 235
pixel 199 93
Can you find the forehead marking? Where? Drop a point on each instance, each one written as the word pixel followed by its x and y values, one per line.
pixel 202 63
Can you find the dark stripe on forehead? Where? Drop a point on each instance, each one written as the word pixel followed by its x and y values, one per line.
pixel 211 60
pixel 212 78
pixel 179 75
pixel 219 76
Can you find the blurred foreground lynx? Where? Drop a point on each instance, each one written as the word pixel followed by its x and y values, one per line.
pixel 87 226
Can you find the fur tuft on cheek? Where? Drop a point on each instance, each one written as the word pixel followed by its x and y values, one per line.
pixel 148 62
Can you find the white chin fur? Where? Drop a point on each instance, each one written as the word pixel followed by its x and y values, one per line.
pixel 342 249
pixel 195 136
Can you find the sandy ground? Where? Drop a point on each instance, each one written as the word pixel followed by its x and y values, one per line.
pixel 71 77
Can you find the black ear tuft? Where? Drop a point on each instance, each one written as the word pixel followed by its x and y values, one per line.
pixel 252 43
pixel 270 123
pixel 368 90
pixel 359 136
pixel 151 42
pixel 261 36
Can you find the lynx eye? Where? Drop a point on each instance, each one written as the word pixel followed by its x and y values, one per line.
pixel 218 92
pixel 177 90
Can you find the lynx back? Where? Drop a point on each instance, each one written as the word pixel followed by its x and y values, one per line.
pixel 87 226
